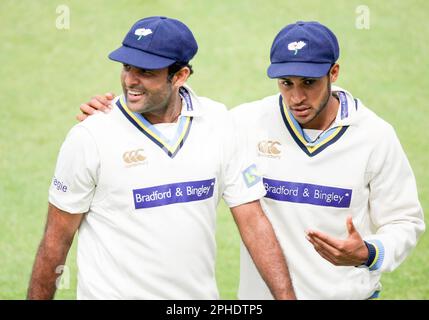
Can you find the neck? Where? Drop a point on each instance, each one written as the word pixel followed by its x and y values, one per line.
pixel 326 116
pixel 168 115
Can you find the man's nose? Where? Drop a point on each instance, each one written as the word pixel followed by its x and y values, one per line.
pixel 297 96
pixel 131 77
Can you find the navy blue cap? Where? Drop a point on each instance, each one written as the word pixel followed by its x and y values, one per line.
pixel 156 43
pixel 303 49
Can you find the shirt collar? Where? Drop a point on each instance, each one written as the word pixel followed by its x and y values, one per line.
pixel 348 108
pixel 191 105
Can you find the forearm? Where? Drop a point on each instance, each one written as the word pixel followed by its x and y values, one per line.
pixel 49 256
pixel 258 236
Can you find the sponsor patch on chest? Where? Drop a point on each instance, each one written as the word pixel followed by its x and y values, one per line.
pixel 173 193
pixel 307 193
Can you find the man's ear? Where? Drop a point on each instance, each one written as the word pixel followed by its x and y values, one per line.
pixel 180 77
pixel 334 72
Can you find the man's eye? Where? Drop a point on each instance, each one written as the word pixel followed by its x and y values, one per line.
pixel 127 67
pixel 309 82
pixel 286 83
pixel 145 72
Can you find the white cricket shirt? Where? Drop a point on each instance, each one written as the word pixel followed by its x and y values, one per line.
pixel 357 168
pixel 149 231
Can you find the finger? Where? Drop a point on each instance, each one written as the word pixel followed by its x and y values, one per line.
pixel 323 253
pixel 332 250
pixel 350 226
pixel 99 102
pixel 327 257
pixel 109 95
pixel 86 109
pixel 345 254
pixel 336 256
pixel 80 117
pixel 324 238
pixel 107 102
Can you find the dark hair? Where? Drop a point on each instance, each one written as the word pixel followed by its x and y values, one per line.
pixel 175 67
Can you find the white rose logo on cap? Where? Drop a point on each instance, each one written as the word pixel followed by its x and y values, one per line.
pixel 142 32
pixel 295 46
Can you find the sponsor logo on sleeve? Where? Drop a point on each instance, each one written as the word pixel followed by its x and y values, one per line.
pixel 59 185
pixel 251 176
pixel 173 193
pixel 307 193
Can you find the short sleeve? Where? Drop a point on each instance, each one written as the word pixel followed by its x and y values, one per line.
pixel 242 179
pixel 76 172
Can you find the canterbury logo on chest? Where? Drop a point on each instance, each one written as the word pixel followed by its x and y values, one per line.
pixel 134 157
pixel 270 148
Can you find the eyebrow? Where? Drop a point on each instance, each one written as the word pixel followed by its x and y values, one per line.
pixel 140 69
pixel 300 78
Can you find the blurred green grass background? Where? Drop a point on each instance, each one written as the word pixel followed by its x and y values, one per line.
pixel 46 73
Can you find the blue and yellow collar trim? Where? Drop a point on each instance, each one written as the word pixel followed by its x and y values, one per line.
pixel 170 147
pixel 311 148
